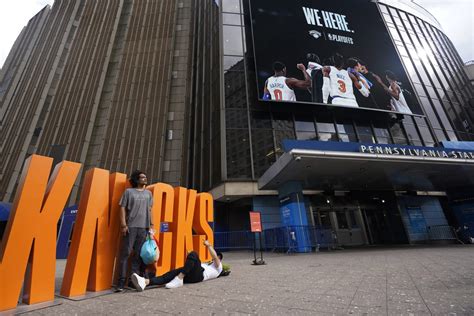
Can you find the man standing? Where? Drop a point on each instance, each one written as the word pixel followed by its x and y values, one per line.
pixel 192 272
pixel 280 88
pixel 338 82
pixel 315 72
pixel 135 221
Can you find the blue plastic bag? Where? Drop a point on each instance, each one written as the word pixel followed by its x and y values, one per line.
pixel 149 252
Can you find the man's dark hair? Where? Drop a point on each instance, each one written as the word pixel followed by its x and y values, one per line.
pixel 338 60
pixel 391 75
pixel 278 66
pixel 352 62
pixel 219 254
pixel 312 57
pixel 361 62
pixel 134 177
pixel 328 61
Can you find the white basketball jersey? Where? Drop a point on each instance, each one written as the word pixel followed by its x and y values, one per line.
pixel 312 66
pixel 341 84
pixel 279 90
pixel 400 105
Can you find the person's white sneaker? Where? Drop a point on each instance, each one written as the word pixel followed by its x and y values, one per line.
pixel 138 282
pixel 175 283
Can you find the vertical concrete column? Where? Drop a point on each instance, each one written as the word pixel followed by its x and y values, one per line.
pixel 293 216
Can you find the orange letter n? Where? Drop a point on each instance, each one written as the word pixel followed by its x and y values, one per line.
pixel 94 241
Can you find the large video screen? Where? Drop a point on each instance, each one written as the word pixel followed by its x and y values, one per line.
pixel 335 52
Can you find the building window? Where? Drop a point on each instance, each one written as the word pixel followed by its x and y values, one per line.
pixel 345 130
pixel 232 6
pixel 304 127
pixel 364 131
pixel 342 220
pixel 232 36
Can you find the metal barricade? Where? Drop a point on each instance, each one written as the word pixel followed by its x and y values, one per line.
pixel 279 239
pixel 233 240
pixel 441 232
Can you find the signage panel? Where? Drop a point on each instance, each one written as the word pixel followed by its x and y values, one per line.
pixel 255 222
pixel 328 52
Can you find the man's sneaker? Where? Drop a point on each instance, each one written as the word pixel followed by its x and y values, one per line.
pixel 138 282
pixel 120 285
pixel 175 283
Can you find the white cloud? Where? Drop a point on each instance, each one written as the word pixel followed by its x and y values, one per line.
pixel 456 18
pixel 14 15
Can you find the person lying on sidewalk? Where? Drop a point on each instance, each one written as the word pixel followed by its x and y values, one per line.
pixel 193 271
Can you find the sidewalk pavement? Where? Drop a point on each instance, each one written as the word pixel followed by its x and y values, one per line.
pixel 404 280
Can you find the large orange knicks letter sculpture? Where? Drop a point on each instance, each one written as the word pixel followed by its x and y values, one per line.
pixel 30 235
pixel 94 242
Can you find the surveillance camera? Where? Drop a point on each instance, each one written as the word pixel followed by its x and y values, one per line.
pixel 297 158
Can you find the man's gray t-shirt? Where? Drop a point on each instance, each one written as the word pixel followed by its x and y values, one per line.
pixel 137 204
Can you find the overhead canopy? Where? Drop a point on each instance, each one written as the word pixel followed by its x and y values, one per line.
pixel 340 170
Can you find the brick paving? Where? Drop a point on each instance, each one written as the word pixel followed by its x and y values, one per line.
pixel 405 280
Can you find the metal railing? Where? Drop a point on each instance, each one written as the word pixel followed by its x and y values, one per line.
pixel 441 232
pixel 280 239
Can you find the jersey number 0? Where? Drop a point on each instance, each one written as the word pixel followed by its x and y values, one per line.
pixel 278 94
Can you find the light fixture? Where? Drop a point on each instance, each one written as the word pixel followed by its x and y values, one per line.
pixel 327 201
pixel 383 201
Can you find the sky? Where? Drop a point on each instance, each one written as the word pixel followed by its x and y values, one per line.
pixel 456 18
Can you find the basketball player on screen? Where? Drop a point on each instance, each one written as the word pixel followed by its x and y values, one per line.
pixel 397 98
pixel 280 88
pixel 337 83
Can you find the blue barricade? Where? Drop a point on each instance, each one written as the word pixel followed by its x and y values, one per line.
pixel 279 239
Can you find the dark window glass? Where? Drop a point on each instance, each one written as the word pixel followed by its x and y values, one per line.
pixel 452 136
pixel 235 92
pixel 238 154
pixel 382 135
pixel 419 89
pixel 263 151
pixel 236 118
pixel 346 131
pixel 440 135
pixel 429 112
pixel 397 133
pixel 342 220
pixel 280 136
pixel 420 121
pixel 261 120
pixel 323 219
pixel 426 135
pixel 353 219
pixel 325 127
pixel 304 123
pixel 365 132
pixel 233 63
pixel 412 133
pixel 282 121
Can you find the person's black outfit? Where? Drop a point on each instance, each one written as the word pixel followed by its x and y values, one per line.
pixel 192 271
pixel 317 85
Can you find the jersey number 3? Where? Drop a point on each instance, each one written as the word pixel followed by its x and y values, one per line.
pixel 342 86
pixel 278 94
